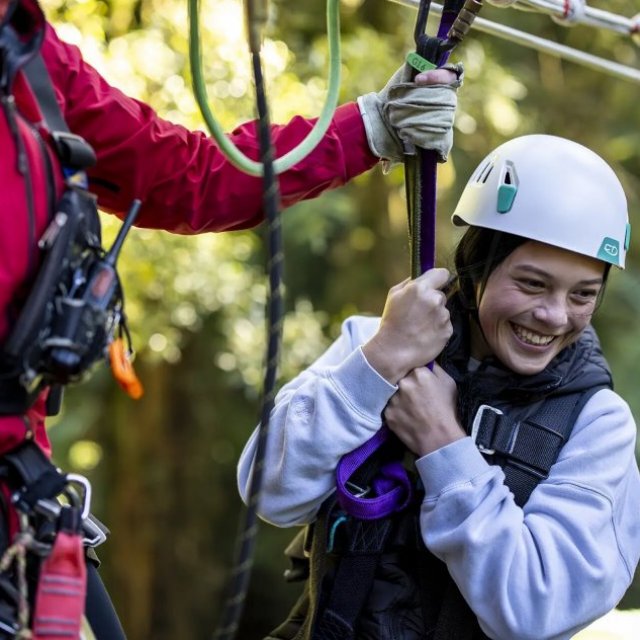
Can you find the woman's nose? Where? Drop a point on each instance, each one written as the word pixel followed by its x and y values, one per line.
pixel 553 312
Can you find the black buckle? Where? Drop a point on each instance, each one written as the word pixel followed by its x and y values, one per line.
pixel 483 428
pixel 73 150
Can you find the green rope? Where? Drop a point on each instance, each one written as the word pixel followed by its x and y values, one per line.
pixel 235 156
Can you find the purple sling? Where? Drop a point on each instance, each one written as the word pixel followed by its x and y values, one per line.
pixel 391 489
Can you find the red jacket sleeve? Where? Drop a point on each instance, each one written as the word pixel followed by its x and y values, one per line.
pixel 185 182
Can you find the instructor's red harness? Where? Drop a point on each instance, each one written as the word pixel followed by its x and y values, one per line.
pixel 69 317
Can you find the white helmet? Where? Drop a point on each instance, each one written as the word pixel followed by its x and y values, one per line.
pixel 551 190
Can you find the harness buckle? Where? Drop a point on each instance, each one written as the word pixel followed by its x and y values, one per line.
pixel 356 490
pixel 73 150
pixel 94 532
pixel 477 423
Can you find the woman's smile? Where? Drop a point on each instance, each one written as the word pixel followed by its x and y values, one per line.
pixel 535 303
pixel 531 338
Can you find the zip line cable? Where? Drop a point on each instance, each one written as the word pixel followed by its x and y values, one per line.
pixel 569 12
pixel 235 156
pixel 555 49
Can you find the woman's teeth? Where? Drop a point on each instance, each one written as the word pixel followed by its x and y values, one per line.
pixel 531 337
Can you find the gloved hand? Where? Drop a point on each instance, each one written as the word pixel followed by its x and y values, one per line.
pixel 418 113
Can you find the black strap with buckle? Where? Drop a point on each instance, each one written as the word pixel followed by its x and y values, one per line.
pixel 73 151
pixel 527 449
pixel 31 476
pixel 35 483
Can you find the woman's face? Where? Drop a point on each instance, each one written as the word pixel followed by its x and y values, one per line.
pixel 535 303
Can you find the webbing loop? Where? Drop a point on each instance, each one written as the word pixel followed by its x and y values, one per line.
pixel 391 491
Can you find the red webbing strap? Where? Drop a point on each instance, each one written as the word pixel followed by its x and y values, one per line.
pixel 62 585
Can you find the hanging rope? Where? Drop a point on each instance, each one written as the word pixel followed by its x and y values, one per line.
pixel 227 147
pixel 390 489
pixel 240 574
pixel 268 168
pixel 630 27
pixel 248 527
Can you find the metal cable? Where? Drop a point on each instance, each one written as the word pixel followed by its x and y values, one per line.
pixel 587 15
pixel 546 46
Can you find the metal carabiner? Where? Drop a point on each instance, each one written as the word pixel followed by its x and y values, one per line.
pixel 421 21
pixel 426 46
pixel 459 14
pixel 83 502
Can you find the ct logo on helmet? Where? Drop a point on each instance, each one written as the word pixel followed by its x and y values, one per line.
pixel 609 251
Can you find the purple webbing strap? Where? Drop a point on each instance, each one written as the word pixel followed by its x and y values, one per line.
pixel 427 176
pixel 391 489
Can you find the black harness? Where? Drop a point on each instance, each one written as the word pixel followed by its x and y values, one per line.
pixel 341 557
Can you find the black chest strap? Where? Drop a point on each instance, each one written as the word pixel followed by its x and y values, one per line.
pixel 527 449
pixel 73 151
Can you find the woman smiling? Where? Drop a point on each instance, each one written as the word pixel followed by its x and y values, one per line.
pixel 524 521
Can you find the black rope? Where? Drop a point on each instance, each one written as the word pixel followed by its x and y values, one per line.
pixel 248 526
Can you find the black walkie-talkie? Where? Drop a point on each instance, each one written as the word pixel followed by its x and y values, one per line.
pixel 91 311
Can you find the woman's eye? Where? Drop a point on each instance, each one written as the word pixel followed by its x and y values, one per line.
pixel 585 296
pixel 531 284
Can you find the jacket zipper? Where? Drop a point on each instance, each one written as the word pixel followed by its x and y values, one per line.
pixel 50 182
pixel 9 106
pixel 49 179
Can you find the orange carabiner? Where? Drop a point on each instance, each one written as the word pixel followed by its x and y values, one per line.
pixel 122 369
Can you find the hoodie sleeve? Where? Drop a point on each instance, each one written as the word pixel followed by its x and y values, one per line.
pixel 548 570
pixel 327 411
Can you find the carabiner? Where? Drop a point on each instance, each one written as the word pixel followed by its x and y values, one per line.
pixel 426 46
pixel 421 21
pixel 457 17
pixel 80 501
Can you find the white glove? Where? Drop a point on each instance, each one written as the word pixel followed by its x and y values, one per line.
pixel 406 112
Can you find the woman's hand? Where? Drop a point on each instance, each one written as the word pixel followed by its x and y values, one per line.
pixel 422 413
pixel 414 329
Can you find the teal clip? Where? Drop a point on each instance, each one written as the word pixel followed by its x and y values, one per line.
pixel 332 532
pixel 506 196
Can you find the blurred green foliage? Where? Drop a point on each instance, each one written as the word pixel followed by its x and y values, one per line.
pixel 163 468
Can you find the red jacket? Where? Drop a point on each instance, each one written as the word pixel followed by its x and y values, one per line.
pixel 185 183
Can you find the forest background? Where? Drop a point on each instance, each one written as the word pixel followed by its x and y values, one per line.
pixel 163 468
